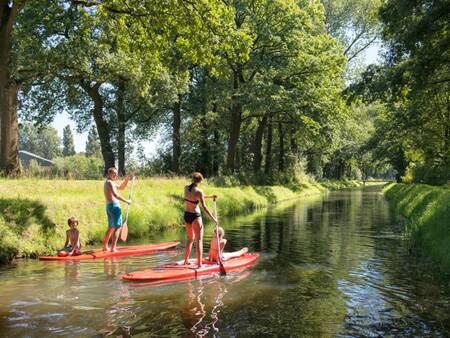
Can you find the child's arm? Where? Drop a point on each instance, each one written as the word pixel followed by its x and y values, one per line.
pixel 67 239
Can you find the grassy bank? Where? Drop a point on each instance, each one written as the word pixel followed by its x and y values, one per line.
pixel 427 211
pixel 33 212
pixel 345 184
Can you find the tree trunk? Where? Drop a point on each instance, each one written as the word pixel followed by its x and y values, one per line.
pixel 294 144
pixel 268 164
pixel 176 136
pixel 281 152
pixel 257 144
pixel 204 165
pixel 9 127
pixel 101 124
pixel 215 152
pixel 236 116
pixel 121 127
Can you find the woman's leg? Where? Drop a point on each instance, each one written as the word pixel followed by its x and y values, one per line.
pixel 190 238
pixel 197 226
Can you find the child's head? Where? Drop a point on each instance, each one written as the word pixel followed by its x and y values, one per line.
pixel 112 173
pixel 221 232
pixel 72 221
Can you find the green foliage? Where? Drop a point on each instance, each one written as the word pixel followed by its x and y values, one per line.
pixel 68 145
pixel 427 212
pixel 78 167
pixel 93 144
pixel 42 141
pixel 413 132
pixel 355 24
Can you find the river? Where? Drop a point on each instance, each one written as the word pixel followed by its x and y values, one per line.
pixel 333 265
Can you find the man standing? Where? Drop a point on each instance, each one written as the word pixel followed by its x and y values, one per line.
pixel 113 208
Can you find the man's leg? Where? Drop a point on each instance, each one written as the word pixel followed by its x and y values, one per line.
pixel 115 238
pixel 106 239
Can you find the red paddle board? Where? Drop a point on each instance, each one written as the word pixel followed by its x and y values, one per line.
pixel 175 271
pixel 123 251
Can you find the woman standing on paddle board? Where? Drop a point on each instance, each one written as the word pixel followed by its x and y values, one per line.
pixel 193 219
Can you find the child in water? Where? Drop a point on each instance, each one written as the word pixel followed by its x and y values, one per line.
pixel 214 253
pixel 72 245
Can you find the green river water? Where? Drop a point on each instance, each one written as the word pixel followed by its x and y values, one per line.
pixel 334 265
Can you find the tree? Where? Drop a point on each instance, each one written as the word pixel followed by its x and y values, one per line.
pixel 413 133
pixel 68 145
pixel 93 144
pixel 43 141
pixel 355 23
pixel 9 87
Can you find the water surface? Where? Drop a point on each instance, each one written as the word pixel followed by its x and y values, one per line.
pixel 335 265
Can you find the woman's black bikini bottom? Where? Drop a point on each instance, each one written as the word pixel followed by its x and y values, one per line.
pixel 189 217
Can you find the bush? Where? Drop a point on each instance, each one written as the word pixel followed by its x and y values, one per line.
pixel 78 167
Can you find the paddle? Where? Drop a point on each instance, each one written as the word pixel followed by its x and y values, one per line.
pixel 222 268
pixel 124 231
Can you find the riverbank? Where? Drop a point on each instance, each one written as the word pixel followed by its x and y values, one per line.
pixel 427 212
pixel 33 212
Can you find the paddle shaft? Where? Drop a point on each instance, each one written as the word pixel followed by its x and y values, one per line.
pixel 129 198
pixel 222 268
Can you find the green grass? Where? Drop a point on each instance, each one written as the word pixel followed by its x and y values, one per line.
pixel 345 183
pixel 34 212
pixel 427 212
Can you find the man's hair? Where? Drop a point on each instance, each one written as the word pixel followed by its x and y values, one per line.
pixel 197 177
pixel 72 219
pixel 111 170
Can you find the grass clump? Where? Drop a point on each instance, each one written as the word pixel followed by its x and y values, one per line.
pixel 427 212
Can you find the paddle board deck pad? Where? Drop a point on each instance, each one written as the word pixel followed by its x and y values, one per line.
pixel 122 251
pixel 176 271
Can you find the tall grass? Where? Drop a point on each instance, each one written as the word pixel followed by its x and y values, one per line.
pixel 34 212
pixel 427 212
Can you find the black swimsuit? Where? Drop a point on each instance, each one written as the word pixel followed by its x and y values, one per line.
pixel 189 217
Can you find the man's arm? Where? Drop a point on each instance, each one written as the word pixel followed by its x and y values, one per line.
pixel 124 184
pixel 116 195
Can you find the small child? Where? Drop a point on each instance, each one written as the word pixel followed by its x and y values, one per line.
pixel 214 253
pixel 72 245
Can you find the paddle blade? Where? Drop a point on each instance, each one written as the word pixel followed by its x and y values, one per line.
pixel 222 269
pixel 124 232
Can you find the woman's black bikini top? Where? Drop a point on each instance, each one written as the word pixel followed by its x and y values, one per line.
pixel 190 186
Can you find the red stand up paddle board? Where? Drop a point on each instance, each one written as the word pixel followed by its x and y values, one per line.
pixel 175 271
pixel 123 251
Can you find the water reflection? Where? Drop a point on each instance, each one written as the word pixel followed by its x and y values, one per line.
pixel 330 266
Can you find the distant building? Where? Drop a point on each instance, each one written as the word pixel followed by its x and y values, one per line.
pixel 26 157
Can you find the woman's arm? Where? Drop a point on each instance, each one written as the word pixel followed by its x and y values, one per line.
pixel 202 201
